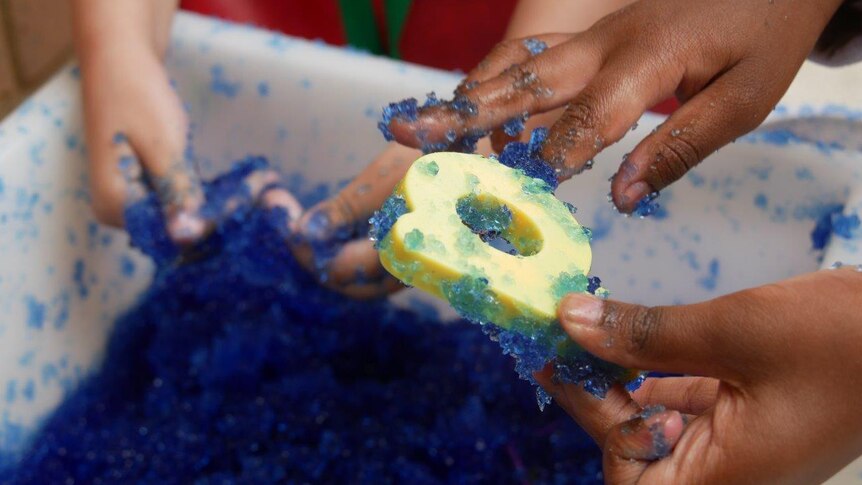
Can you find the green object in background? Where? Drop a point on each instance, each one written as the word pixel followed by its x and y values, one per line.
pixel 360 26
pixel 396 17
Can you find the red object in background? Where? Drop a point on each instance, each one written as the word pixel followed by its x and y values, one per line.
pixel 666 107
pixel 454 34
pixel 311 19
pixel 447 34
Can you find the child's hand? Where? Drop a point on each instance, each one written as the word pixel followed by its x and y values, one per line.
pixel 728 61
pixel 134 118
pixel 330 241
pixel 778 401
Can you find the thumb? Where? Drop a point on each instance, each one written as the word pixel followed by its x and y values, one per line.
pixel 689 339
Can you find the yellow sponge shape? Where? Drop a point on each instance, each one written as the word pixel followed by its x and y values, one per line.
pixel 453 205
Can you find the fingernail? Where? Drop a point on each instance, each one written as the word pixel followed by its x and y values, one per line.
pixel 582 311
pixel 318 226
pixel 185 228
pixel 665 429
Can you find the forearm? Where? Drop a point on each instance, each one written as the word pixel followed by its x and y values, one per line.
pixel 533 17
pixel 103 26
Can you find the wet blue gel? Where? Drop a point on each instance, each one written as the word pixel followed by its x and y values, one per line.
pixel 648 207
pixel 407 110
pixel 535 46
pixel 527 157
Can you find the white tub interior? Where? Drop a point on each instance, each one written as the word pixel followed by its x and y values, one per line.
pixel 741 219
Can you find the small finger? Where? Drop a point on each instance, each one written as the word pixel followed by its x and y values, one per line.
pixel 596 416
pixel 631 446
pixel 278 198
pixel 358 264
pixel 322 233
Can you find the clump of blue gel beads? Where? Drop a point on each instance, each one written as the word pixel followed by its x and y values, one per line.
pixel 484 217
pixel 383 220
pixel 527 158
pixel 647 206
pixel 532 346
pixel 833 221
pixel 535 46
pixel 515 126
pixel 406 109
pixel 237 367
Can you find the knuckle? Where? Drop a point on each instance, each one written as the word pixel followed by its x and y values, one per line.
pixel 582 112
pixel 643 327
pixel 674 157
pixel 575 127
pixel 506 50
pixel 752 107
pixel 637 325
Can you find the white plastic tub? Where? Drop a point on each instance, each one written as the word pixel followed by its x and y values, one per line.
pixel 741 219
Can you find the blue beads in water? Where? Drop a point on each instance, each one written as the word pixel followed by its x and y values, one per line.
pixel 237 367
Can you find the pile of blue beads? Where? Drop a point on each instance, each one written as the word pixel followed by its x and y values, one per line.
pixel 237 367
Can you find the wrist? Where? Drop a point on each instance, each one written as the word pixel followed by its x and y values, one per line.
pixel 108 28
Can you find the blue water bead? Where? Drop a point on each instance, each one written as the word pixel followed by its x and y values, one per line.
pixel 527 158
pixel 471 298
pixel 144 220
pixel 485 218
pixel 383 220
pixel 462 104
pixel 406 110
pixel 466 143
pixel 647 206
pixel 537 139
pixel 594 284
pixel 514 126
pixel 845 225
pixel 822 232
pixel 431 100
pixel 535 46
